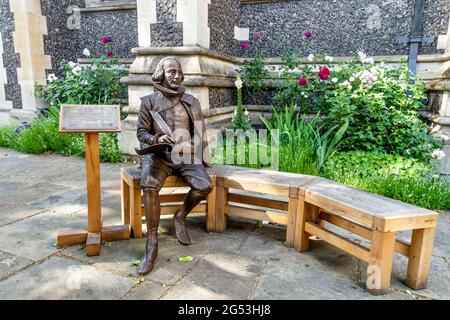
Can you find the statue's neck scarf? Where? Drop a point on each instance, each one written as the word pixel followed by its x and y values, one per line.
pixel 170 93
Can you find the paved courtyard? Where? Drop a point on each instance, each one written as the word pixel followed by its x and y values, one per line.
pixel 41 194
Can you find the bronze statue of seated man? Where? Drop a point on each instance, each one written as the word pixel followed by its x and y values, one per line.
pixel 169 117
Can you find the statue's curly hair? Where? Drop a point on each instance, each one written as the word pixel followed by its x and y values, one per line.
pixel 158 75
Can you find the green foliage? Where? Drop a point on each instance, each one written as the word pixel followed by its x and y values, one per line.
pixel 240 119
pixel 98 83
pixel 393 176
pixel 382 117
pixel 305 146
pixel 8 135
pixel 254 75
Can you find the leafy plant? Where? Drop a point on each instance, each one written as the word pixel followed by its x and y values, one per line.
pixel 393 176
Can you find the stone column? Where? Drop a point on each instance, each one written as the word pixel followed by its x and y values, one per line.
pixel 200 33
pixel 442 121
pixel 5 105
pixel 30 28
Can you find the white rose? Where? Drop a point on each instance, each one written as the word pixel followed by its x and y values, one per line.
pixel 86 52
pixel 72 64
pixel 362 55
pixel 438 154
pixel 334 80
pixel 311 57
pixel 76 71
pixel 351 79
pixel 328 58
pixel 51 77
pixel 369 61
pixel 246 112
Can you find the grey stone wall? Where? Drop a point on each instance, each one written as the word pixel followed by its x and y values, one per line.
pixel 62 41
pixel 222 17
pixel 341 27
pixel 11 59
pixel 121 26
pixel 166 32
pixel 221 97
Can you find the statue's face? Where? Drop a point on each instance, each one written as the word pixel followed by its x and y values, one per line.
pixel 173 75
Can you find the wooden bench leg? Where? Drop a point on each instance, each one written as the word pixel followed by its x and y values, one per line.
pixel 125 202
pixel 293 209
pixel 216 220
pixel 380 262
pixel 136 212
pixel 420 258
pixel 306 212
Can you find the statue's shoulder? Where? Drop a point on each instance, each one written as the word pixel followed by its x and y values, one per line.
pixel 149 99
pixel 190 99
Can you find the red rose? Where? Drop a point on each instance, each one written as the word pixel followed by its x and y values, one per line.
pixel 324 73
pixel 244 44
pixel 109 54
pixel 256 37
pixel 308 35
pixel 302 81
pixel 106 40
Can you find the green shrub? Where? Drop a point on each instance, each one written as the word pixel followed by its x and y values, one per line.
pixel 98 83
pixel 8 135
pixel 305 146
pixel 393 176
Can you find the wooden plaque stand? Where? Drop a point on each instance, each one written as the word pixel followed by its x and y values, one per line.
pixel 95 232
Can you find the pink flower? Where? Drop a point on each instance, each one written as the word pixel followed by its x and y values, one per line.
pixel 106 40
pixel 244 44
pixel 257 37
pixel 109 54
pixel 302 81
pixel 308 35
pixel 324 73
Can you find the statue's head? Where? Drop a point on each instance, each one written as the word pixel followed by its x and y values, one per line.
pixel 168 73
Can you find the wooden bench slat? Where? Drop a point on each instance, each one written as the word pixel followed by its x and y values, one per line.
pixel 249 213
pixel 338 241
pixel 366 208
pixel 400 246
pixel 257 201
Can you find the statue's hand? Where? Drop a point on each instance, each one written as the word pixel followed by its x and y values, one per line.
pixel 165 139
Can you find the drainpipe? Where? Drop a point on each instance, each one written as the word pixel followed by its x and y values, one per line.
pixel 415 38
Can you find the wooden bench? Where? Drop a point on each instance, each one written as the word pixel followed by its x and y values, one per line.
pixel 306 204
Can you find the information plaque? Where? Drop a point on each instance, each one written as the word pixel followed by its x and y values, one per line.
pixel 89 118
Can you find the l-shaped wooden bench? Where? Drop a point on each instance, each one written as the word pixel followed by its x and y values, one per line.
pixel 305 204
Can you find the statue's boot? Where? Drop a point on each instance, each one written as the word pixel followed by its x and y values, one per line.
pixel 152 210
pixel 193 198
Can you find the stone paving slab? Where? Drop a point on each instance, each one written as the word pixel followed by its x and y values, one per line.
pixel 244 262
pixel 14 212
pixel 146 291
pixel 60 278
pixel 10 264
pixel 34 238
pixel 119 257
pixel 218 276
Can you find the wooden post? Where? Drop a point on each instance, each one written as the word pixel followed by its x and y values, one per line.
pixel 90 120
pixel 211 207
pixel 221 202
pixel 305 213
pixel 420 258
pixel 93 193
pixel 380 262
pixel 293 208
pixel 125 201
